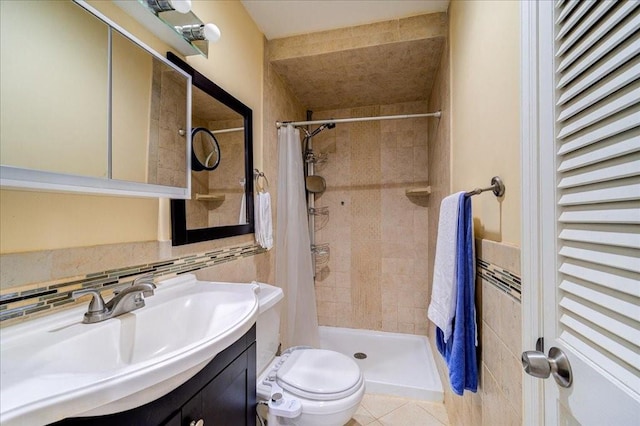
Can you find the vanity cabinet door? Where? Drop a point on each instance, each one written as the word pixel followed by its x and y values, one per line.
pixel 174 421
pixel 226 399
pixel 229 399
pixel 192 411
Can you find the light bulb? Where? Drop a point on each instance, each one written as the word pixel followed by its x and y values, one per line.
pixel 182 6
pixel 211 32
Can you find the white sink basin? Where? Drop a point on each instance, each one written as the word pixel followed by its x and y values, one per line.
pixel 57 367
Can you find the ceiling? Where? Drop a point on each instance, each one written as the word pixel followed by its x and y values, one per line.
pixel 336 54
pixel 284 18
pixel 377 75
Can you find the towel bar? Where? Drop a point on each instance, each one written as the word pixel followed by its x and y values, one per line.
pixel 497 186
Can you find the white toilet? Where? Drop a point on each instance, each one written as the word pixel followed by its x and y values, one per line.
pixel 304 386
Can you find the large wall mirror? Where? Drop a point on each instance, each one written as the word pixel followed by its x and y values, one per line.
pixel 87 107
pixel 221 203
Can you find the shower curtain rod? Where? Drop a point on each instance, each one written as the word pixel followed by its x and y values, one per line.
pixel 353 120
pixel 235 129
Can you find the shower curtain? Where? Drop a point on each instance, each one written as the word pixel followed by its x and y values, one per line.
pixel 294 271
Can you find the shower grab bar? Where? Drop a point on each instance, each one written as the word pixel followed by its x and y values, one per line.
pixel 279 124
pixel 497 186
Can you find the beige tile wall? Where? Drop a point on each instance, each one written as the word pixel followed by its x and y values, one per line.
pixel 171 153
pixel 377 275
pixel 499 397
pixel 198 212
pixel 385 62
pixel 225 179
pixel 20 269
pixel 166 147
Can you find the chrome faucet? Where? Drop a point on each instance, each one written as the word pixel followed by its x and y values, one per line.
pixel 124 300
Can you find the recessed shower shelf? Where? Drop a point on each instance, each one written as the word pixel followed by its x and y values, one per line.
pixel 210 197
pixel 421 191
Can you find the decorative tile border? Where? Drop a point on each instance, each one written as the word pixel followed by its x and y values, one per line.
pixel 23 302
pixel 501 278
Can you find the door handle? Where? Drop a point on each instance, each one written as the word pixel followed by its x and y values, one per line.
pixel 536 364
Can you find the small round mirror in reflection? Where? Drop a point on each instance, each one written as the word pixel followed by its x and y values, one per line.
pixel 205 150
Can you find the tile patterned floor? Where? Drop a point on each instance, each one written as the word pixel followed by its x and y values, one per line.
pixel 383 410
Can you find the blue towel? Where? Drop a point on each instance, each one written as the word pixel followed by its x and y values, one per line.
pixel 460 350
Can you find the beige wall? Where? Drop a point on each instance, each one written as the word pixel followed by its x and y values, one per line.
pixel 235 63
pixel 43 220
pixel 477 90
pixel 484 40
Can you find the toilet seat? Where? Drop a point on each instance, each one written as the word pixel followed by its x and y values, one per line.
pixel 317 374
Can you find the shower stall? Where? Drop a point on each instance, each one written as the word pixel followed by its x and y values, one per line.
pixel 382 86
pixel 372 292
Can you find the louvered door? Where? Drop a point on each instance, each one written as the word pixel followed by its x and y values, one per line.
pixel 595 285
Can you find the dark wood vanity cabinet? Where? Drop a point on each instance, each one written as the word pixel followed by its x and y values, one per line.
pixel 222 393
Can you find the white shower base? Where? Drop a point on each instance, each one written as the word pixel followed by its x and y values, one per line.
pixel 396 364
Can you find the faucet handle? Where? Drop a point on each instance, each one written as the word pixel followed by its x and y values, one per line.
pixel 97 302
pixel 144 279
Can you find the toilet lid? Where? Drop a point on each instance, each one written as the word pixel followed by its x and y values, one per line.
pixel 319 374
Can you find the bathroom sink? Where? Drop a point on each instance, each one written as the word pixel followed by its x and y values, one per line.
pixel 56 367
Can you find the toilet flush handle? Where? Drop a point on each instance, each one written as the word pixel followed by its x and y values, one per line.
pixel 276 398
pixel 283 407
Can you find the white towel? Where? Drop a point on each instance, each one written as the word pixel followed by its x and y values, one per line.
pixel 263 222
pixel 256 219
pixel 242 217
pixel 442 308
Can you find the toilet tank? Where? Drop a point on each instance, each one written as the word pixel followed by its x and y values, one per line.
pixel 268 324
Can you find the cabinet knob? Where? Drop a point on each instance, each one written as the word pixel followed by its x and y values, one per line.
pixel 197 423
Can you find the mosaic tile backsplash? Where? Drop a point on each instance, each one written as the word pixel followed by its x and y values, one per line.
pixel 23 302
pixel 504 280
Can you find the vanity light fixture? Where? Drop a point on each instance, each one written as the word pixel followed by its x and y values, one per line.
pixel 195 32
pixel 173 22
pixel 182 6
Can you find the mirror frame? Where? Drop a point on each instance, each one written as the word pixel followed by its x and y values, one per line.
pixel 180 235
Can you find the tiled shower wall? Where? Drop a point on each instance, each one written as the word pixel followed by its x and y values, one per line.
pixel 376 277
pixel 166 146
